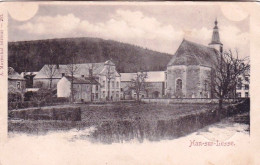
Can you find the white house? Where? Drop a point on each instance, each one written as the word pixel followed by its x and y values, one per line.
pixel 242 89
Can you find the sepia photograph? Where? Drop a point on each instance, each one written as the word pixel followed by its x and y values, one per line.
pixel 126 76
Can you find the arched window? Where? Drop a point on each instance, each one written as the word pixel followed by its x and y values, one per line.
pixel 179 85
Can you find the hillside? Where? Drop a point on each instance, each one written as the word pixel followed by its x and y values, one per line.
pixel 32 55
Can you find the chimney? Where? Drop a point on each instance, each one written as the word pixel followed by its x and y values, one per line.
pixel 57 66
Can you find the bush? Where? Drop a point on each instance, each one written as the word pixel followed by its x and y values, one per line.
pixel 67 113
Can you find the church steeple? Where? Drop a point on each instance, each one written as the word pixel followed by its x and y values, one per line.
pixel 215 41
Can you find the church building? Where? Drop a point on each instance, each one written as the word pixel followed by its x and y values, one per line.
pixel 189 72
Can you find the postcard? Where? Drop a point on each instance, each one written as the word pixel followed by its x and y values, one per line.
pixel 132 83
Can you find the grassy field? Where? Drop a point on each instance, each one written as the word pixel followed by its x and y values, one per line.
pixel 146 112
pixel 127 121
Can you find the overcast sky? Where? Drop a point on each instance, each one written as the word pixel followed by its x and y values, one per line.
pixel 160 27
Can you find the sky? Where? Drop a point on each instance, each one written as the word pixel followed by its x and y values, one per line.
pixel 159 27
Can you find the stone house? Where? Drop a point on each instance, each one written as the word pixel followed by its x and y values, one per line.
pixel 85 89
pixel 16 86
pixel 190 71
pixel 104 73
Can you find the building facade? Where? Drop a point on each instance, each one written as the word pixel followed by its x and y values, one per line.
pixel 85 89
pixel 154 85
pixel 104 73
pixel 16 86
pixel 242 89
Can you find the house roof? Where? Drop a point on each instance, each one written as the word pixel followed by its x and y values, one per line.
pixel 154 76
pixel 80 80
pixel 127 76
pixel 83 69
pixel 13 75
pixel 190 53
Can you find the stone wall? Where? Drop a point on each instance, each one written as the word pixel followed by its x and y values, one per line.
pixel 196 81
pixel 174 73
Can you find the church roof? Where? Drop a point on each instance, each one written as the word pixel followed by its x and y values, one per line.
pixel 190 53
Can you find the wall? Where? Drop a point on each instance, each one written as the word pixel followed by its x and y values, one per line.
pixel 82 92
pixel 193 81
pixel 63 88
pixel 174 73
pixel 155 87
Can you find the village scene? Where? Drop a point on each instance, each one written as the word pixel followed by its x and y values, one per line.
pixel 59 86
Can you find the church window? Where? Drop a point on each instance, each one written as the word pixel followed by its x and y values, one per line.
pixel 179 85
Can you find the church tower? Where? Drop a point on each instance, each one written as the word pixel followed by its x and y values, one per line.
pixel 215 41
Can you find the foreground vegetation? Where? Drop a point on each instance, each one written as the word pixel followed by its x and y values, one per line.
pixel 127 121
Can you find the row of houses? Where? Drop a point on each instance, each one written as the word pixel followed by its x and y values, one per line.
pixel 188 75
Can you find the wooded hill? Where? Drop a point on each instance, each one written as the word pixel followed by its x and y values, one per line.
pixel 32 55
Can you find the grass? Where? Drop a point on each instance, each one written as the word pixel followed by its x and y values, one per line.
pixel 147 112
pixel 126 121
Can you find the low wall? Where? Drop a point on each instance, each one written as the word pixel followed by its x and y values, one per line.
pixel 183 100
pixel 66 113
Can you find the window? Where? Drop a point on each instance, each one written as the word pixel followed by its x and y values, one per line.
pixel 113 84
pixel 117 84
pixel 62 74
pixel 18 84
pixel 239 80
pixel 117 94
pixel 239 86
pixel 246 79
pixel 206 85
pixel 246 87
pixel 238 94
pixel 96 95
pixel 104 83
pixel 246 94
pixel 179 85
pixel 104 95
pixel 96 87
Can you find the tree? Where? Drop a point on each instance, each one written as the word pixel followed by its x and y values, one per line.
pixel 72 69
pixel 110 74
pixel 92 77
pixel 225 75
pixel 40 96
pixel 50 68
pixel 138 84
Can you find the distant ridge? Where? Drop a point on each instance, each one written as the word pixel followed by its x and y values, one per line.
pixel 32 55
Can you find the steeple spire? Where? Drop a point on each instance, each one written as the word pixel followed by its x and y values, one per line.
pixel 215 40
pixel 215 36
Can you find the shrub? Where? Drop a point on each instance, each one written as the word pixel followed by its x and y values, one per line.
pixel 67 113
